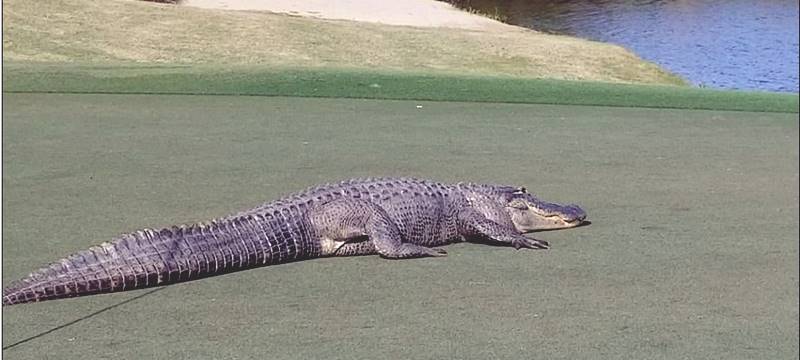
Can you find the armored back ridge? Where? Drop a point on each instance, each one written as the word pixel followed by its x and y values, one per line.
pixel 393 217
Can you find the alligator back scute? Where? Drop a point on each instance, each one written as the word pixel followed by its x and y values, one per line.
pixel 147 257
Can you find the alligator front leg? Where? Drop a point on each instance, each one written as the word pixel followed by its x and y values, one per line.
pixel 473 224
pixel 346 219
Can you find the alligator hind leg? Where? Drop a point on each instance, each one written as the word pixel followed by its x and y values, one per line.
pixel 344 219
pixel 356 248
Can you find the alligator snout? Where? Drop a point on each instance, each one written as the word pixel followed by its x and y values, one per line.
pixel 573 213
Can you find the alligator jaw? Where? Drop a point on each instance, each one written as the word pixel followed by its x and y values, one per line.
pixel 541 215
pixel 572 214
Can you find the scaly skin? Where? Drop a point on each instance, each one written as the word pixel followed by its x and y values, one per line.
pixel 393 217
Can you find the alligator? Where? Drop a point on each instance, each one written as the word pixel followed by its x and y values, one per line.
pixel 392 217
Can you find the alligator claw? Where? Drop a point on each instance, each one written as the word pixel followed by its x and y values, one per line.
pixel 438 252
pixel 527 243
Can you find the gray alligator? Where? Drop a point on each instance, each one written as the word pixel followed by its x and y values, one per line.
pixel 393 217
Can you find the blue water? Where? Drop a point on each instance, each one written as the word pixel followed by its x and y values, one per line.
pixel 736 44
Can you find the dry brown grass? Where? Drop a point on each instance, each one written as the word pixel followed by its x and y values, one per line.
pixel 135 31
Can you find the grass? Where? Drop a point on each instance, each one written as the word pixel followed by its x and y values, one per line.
pixel 144 32
pixel 692 251
pixel 357 83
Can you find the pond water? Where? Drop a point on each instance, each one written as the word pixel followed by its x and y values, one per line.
pixel 730 44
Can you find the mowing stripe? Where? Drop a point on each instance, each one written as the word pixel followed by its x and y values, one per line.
pixel 215 80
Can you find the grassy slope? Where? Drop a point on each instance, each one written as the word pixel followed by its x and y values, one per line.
pixel 135 31
pixel 692 252
pixel 256 80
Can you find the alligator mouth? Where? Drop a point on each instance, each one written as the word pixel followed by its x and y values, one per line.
pixel 575 220
pixel 559 221
pixel 569 214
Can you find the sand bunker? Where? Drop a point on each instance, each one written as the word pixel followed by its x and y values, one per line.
pixel 427 13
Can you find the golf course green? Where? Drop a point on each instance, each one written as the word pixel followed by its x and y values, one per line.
pixel 132 78
pixel 692 250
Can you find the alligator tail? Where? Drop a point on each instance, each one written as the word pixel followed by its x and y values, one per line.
pixel 148 258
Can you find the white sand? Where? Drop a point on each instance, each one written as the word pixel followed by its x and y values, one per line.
pixel 427 13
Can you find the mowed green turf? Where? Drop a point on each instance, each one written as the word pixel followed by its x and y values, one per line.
pixel 378 84
pixel 692 251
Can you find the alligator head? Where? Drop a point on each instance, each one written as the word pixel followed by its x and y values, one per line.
pixel 529 213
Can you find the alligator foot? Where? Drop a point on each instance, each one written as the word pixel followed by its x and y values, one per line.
pixel 528 243
pixel 407 250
